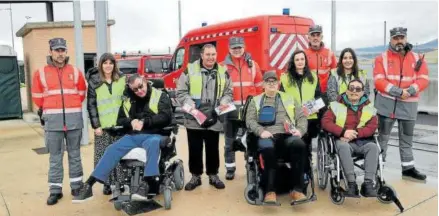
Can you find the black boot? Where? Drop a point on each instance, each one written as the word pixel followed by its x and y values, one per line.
pixel 367 189
pixel 215 181
pixel 53 198
pixel 85 193
pixel 230 175
pixel 106 190
pixel 352 190
pixel 413 174
pixel 193 183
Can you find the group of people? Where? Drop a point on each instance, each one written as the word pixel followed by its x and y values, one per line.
pixel 400 75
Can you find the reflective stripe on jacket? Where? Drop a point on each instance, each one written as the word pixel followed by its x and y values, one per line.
pixel 321 62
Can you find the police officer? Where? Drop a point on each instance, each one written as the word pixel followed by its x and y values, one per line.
pixel 204 85
pixel 59 89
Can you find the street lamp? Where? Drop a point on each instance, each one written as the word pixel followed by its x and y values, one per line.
pixel 12 27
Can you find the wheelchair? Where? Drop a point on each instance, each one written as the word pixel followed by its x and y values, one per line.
pixel 171 176
pixel 246 142
pixel 171 173
pixel 329 168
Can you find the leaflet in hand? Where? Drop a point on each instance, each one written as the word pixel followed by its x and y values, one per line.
pixel 289 127
pixel 197 114
pixel 223 109
pixel 312 106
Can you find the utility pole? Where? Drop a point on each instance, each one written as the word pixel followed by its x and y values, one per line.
pixel 179 19
pixel 79 54
pixel 333 26
pixel 101 23
pixel 12 26
pixel 385 31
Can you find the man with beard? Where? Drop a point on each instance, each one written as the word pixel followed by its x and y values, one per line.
pixel 400 76
pixel 58 90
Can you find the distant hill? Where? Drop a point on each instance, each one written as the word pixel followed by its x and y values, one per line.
pixel 426 47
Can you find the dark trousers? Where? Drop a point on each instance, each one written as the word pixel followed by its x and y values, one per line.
pixel 290 148
pixel 196 139
pixel 312 131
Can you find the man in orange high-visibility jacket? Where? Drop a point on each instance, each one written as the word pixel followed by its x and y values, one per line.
pixel 59 89
pixel 400 75
pixel 246 77
pixel 321 60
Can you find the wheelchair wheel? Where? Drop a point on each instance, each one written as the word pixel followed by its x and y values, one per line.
pixel 178 175
pixel 337 196
pixel 253 196
pixel 385 194
pixel 118 205
pixel 167 195
pixel 322 171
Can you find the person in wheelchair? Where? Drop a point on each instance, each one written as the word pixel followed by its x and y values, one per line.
pixel 352 120
pixel 266 117
pixel 147 113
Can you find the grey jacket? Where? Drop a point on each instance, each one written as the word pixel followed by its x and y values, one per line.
pixel 251 118
pixel 207 94
pixel 333 87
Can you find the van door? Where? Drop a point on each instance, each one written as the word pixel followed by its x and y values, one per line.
pixel 287 34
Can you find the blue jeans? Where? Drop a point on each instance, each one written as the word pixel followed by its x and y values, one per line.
pixel 113 154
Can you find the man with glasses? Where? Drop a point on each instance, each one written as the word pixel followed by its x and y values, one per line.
pixel 145 114
pixel 246 78
pixel 352 120
pixel 400 76
pixel 266 117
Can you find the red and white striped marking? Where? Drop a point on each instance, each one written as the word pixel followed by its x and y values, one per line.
pixel 283 45
pixel 227 33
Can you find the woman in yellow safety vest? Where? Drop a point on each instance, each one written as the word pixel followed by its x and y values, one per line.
pixel 347 70
pixel 304 86
pixel 104 98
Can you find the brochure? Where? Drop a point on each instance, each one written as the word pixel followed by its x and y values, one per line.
pixel 197 114
pixel 223 109
pixel 312 106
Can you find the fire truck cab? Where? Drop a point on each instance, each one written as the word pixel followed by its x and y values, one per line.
pixel 270 39
pixel 147 65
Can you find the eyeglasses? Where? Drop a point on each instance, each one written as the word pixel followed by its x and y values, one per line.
pixel 271 82
pixel 139 87
pixel 355 89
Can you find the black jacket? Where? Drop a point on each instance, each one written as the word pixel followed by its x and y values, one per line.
pixel 94 82
pixel 152 123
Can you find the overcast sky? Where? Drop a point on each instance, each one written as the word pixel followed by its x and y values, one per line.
pixel 154 24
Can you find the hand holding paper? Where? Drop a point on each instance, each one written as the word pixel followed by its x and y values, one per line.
pixel 312 106
pixel 199 116
pixel 225 108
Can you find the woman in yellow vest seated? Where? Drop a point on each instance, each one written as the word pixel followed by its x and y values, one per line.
pixel 104 97
pixel 352 120
pixel 347 70
pixel 299 82
pixel 265 118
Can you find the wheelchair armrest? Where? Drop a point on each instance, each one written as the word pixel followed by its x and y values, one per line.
pixel 171 128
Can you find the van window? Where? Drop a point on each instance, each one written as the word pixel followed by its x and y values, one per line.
pixel 128 66
pixel 177 60
pixel 195 51
pixel 153 65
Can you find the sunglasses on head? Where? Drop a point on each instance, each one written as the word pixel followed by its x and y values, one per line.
pixel 355 89
pixel 139 87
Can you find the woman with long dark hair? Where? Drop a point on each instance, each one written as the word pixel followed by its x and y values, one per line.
pixel 104 98
pixel 347 70
pixel 304 86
